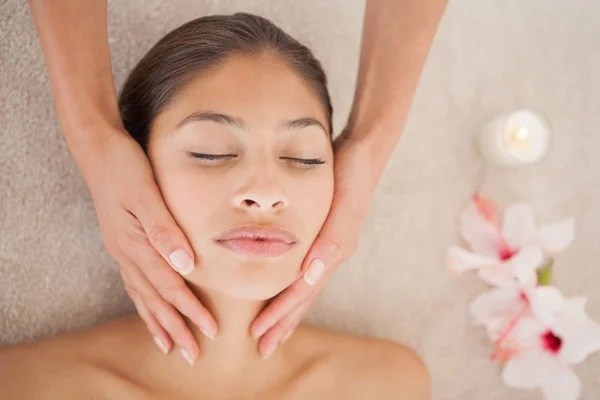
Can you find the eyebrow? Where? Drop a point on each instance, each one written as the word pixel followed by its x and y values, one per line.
pixel 224 119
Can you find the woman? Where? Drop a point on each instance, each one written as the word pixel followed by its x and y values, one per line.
pixel 235 118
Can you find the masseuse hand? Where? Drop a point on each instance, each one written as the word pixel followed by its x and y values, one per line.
pixel 354 185
pixel 397 35
pixel 141 235
pixel 137 228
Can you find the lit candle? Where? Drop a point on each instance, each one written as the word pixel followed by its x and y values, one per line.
pixel 519 137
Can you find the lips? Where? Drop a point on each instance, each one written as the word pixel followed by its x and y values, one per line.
pixel 257 241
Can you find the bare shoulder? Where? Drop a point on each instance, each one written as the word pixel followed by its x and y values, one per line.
pixel 25 372
pixel 10 376
pixel 375 368
pixel 390 371
pixel 61 367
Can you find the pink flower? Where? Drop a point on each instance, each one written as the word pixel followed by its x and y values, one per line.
pixel 506 255
pixel 540 348
pixel 499 309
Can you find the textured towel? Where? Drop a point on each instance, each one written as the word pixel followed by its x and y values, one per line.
pixel 489 56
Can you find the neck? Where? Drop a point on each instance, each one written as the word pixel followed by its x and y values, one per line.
pixel 233 349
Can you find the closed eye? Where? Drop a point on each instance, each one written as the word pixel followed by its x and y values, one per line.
pixel 212 157
pixel 304 161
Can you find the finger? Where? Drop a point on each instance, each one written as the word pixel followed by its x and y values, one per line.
pixel 172 288
pixel 289 333
pixel 325 252
pixel 336 240
pixel 165 313
pixel 291 322
pixel 160 336
pixel 282 305
pixel 162 231
pixel 284 328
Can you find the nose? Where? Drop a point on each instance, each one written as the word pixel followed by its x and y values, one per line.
pixel 261 194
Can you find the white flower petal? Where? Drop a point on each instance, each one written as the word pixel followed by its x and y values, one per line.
pixel 576 306
pixel 459 260
pixel 501 304
pixel 557 236
pixel 561 383
pixel 525 263
pixel 580 335
pixel 519 225
pixel 499 275
pixel 480 234
pixel 528 332
pixel 547 302
pixel 576 346
pixel 527 370
pixel 495 327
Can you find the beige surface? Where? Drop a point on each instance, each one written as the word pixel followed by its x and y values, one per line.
pixel 489 56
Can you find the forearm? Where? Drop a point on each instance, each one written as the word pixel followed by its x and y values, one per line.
pixel 74 39
pixel 397 36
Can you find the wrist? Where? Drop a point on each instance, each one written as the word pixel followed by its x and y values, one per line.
pixel 374 140
pixel 380 133
pixel 84 130
pixel 81 116
pixel 90 144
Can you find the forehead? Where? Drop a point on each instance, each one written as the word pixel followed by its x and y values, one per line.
pixel 262 89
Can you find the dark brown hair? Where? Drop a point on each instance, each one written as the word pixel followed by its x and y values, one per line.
pixel 201 44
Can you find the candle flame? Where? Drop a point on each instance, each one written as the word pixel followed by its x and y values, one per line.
pixel 520 134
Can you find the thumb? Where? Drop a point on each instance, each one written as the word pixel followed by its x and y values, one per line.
pixel 163 232
pixel 325 253
pixel 335 242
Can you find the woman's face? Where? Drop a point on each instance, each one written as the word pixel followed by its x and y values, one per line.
pixel 249 176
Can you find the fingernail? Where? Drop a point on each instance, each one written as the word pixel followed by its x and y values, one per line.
pixel 287 336
pixel 181 261
pixel 207 334
pixel 186 356
pixel 161 345
pixel 270 350
pixel 314 272
pixel 257 333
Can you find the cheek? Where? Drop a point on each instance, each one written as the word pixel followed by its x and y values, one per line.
pixel 313 201
pixel 193 198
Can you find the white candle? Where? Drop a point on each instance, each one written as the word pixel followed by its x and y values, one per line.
pixel 518 137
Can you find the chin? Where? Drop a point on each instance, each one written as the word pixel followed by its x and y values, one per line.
pixel 252 282
pixel 246 277
pixel 250 292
